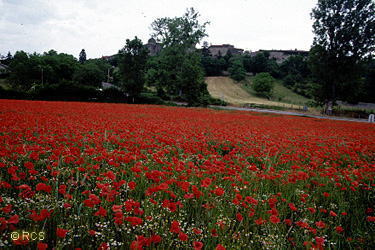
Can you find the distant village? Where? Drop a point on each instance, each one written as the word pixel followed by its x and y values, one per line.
pixel 224 49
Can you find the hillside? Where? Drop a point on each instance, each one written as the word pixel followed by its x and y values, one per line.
pixel 235 93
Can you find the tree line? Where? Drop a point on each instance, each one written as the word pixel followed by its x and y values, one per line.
pixel 340 64
pixel 174 74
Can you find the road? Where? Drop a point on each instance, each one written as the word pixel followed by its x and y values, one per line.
pixel 289 113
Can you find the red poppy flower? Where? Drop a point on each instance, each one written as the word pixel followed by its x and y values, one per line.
pixel 175 227
pixel 239 217
pixel 197 245
pixel 182 236
pixel 274 219
pixel 42 246
pixel 101 212
pixel 61 233
pixel 320 224
pixel 220 247
pixel 339 229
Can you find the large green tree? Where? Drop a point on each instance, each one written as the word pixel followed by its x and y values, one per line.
pixel 179 71
pixel 89 74
pixel 185 31
pixel 132 64
pixel 236 69
pixel 21 71
pixel 344 35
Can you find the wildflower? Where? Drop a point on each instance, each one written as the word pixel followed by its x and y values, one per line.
pixel 61 233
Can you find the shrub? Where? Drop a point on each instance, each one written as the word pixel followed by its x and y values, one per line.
pixel 64 91
pixel 112 94
pixel 263 84
pixel 11 94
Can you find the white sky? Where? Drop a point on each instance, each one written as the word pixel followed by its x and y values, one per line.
pixel 102 26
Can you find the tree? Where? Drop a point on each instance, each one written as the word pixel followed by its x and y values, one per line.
pixel 296 66
pixel 344 35
pixel 82 56
pixel 89 74
pixel 185 31
pixel 58 67
pixel 132 64
pixel 259 63
pixel 212 66
pixel 369 84
pixel 7 59
pixel 179 71
pixel 236 69
pixel 20 71
pixel 263 84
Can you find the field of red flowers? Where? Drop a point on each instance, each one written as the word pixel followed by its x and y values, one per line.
pixel 90 175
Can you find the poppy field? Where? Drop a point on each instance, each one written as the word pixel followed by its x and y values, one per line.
pixel 117 176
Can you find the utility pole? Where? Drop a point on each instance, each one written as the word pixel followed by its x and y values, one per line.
pixel 41 68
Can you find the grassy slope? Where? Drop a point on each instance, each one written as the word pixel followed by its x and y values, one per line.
pixel 239 94
pixel 4 84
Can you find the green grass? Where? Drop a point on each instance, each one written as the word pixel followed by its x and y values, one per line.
pixel 280 93
pixel 4 84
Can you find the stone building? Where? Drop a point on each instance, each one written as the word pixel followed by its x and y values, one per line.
pixel 281 55
pixel 222 50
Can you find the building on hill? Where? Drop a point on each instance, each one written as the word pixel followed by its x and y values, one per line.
pixel 222 50
pixel 153 47
pixel 281 55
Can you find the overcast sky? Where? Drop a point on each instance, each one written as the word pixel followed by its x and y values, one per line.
pixel 102 26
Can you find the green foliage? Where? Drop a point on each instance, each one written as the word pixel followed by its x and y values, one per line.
pixel 261 63
pixel 236 69
pixel 258 64
pixel 20 67
pixel 11 94
pixel 344 36
pixel 296 66
pixel 89 74
pixel 177 70
pixel 7 59
pixel 149 98
pixel 65 90
pixel 263 84
pixel 112 95
pixel 82 56
pixel 297 75
pixel 184 31
pixel 57 67
pixel 369 81
pixel 49 68
pixel 133 58
pixel 213 66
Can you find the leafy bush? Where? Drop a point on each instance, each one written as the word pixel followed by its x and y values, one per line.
pixel 263 84
pixel 11 94
pixel 112 94
pixel 216 101
pixel 149 98
pixel 64 91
